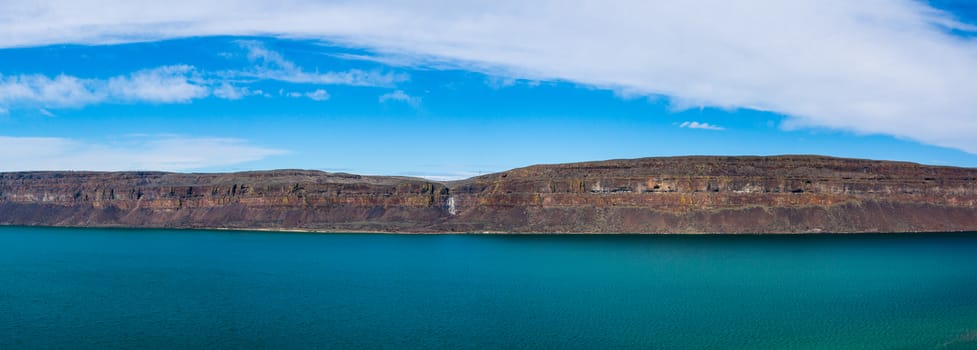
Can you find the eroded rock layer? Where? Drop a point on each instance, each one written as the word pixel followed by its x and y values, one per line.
pixel 784 194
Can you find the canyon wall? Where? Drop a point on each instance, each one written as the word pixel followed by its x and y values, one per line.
pixel 782 194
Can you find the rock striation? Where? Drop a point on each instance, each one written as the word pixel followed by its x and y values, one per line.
pixel 702 194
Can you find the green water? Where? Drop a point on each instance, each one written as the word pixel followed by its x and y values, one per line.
pixel 168 289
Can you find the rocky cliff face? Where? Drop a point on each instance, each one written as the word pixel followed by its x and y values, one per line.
pixel 274 199
pixel 785 194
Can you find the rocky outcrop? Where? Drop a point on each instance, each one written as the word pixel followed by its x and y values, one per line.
pixel 784 194
pixel 272 200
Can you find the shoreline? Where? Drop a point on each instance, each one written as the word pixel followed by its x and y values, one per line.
pixel 492 233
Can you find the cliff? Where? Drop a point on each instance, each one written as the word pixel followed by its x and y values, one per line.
pixel 782 194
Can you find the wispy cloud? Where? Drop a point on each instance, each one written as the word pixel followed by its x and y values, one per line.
pixel 229 91
pixel 272 65
pixel 698 125
pixel 178 83
pixel 874 66
pixel 167 84
pixel 137 152
pixel 318 95
pixel 60 91
pixel 315 95
pixel 400 96
pixel 497 82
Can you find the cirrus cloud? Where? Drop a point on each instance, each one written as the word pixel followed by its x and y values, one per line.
pixel 178 83
pixel 400 96
pixel 873 66
pixel 272 65
pixel 698 125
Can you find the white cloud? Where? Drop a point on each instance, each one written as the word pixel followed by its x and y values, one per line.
pixel 167 84
pixel 229 91
pixel 60 91
pixel 400 96
pixel 137 152
pixel 318 95
pixel 870 66
pixel 315 95
pixel 273 66
pixel 497 83
pixel 175 84
pixel 698 125
pixel 45 112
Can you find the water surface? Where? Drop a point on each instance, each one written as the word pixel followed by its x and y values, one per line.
pixel 115 288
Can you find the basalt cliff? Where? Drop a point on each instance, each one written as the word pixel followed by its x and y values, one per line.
pixel 780 194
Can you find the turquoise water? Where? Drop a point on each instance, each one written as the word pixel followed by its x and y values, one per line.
pixel 166 289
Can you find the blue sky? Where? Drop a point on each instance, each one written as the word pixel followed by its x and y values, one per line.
pixel 500 91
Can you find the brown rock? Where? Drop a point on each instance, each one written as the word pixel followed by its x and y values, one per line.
pixel 783 194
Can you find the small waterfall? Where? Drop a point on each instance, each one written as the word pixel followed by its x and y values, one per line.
pixel 451 206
